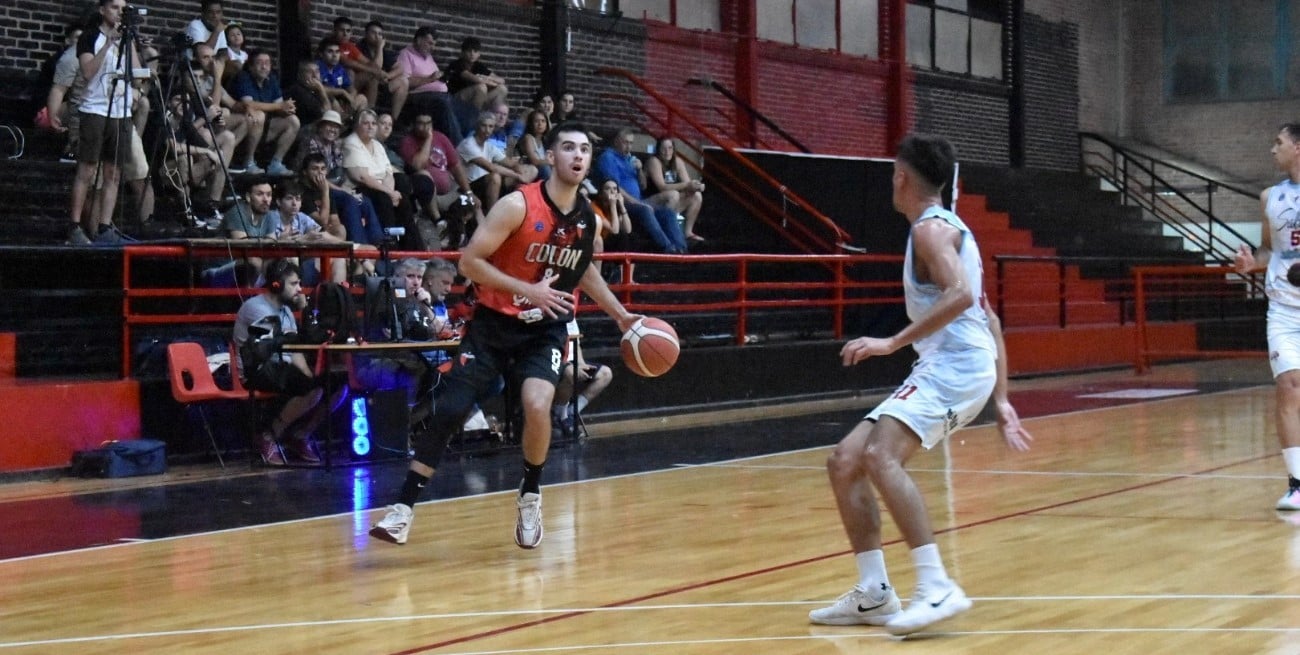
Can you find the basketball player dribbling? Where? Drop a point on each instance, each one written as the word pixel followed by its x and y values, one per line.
pixel 961 362
pixel 526 258
pixel 1279 249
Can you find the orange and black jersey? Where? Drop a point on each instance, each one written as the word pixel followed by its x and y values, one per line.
pixel 547 242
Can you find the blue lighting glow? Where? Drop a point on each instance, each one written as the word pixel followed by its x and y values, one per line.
pixel 360 428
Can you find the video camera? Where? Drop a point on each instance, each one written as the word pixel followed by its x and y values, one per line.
pixel 132 14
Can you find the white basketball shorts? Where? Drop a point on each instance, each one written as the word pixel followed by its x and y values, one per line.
pixel 942 394
pixel 1283 338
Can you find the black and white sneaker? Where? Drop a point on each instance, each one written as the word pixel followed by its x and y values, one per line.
pixel 860 606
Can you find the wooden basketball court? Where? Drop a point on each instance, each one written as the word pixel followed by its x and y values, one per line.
pixel 1144 527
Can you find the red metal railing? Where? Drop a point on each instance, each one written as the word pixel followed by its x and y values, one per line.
pixel 1187 284
pixel 724 143
pixel 748 295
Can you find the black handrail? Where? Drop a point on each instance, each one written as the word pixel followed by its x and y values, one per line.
pixel 1135 160
pixel 1134 155
pixel 753 113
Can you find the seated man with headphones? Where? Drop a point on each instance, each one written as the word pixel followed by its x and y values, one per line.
pixel 263 324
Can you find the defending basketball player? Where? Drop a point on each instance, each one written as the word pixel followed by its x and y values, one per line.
pixel 533 248
pixel 1281 204
pixel 961 363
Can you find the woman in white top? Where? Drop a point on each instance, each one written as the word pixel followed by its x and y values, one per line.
pixel 236 55
pixel 531 145
pixel 668 177
pixel 370 173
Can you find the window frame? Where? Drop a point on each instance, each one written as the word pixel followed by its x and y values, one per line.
pixel 985 10
pixel 1220 46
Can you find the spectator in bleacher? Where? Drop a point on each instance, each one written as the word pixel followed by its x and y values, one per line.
pixel 489 170
pixel 471 80
pixel 544 102
pixel 337 81
pixel 619 164
pixel 402 181
pixel 221 106
pixel 271 117
pixel 191 156
pixel 355 211
pixel 262 320
pixel 428 92
pixel 438 178
pixel 236 55
pixel 616 224
pixel 247 219
pixel 370 173
pixel 566 109
pixel 673 186
pixel 376 67
pixel 501 135
pixel 105 111
pixel 310 97
pixel 315 198
pixel 342 33
pixel 208 29
pixel 531 147
pixel 291 224
pixel 61 102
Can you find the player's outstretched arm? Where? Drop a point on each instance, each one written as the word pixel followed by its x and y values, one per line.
pixel 594 286
pixel 1015 434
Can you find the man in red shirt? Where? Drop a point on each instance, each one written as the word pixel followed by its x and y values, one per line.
pixel 439 181
pixel 526 258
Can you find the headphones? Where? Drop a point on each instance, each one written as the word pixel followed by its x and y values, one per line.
pixel 276 272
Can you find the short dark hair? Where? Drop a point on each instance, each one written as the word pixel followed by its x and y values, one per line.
pixel 1292 130
pixel 289 187
pixel 426 31
pixel 932 157
pixel 566 126
pixel 327 42
pixel 203 6
pixel 342 20
pixel 313 158
pixel 374 23
pixel 471 43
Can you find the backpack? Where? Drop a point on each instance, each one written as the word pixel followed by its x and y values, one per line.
pixel 329 316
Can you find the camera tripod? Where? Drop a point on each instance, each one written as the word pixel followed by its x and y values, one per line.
pixel 193 108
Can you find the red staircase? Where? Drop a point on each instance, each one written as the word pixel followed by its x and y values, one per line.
pixel 1031 295
pixel 45 420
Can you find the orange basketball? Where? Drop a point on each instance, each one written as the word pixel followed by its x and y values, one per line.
pixel 650 347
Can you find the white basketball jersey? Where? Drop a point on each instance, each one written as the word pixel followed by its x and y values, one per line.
pixel 1283 210
pixel 971 328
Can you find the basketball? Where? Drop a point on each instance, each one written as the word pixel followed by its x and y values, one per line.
pixel 1293 274
pixel 650 347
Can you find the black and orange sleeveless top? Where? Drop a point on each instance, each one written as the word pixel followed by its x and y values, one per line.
pixel 547 242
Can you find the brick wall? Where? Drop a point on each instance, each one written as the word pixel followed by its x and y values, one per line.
pixel 1051 94
pixel 1232 136
pixel 1100 55
pixel 974 117
pixel 33 29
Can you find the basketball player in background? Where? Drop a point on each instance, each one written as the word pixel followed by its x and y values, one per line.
pixel 961 362
pixel 1281 204
pixel 533 249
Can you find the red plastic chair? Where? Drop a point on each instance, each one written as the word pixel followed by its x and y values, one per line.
pixel 192 383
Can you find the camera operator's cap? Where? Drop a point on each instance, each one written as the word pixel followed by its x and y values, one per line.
pixel 332 116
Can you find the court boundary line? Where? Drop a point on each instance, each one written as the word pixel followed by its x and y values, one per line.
pixel 642 608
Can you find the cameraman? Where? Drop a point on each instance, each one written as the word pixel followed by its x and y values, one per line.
pixel 438 179
pixel 105 108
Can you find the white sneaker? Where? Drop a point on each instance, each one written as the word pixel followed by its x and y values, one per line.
pixel 395 524
pixel 528 528
pixel 859 606
pixel 1290 501
pixel 928 608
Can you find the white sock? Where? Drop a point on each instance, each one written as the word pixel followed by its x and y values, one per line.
pixel 871 568
pixel 929 566
pixel 582 404
pixel 1292 458
pixel 564 411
